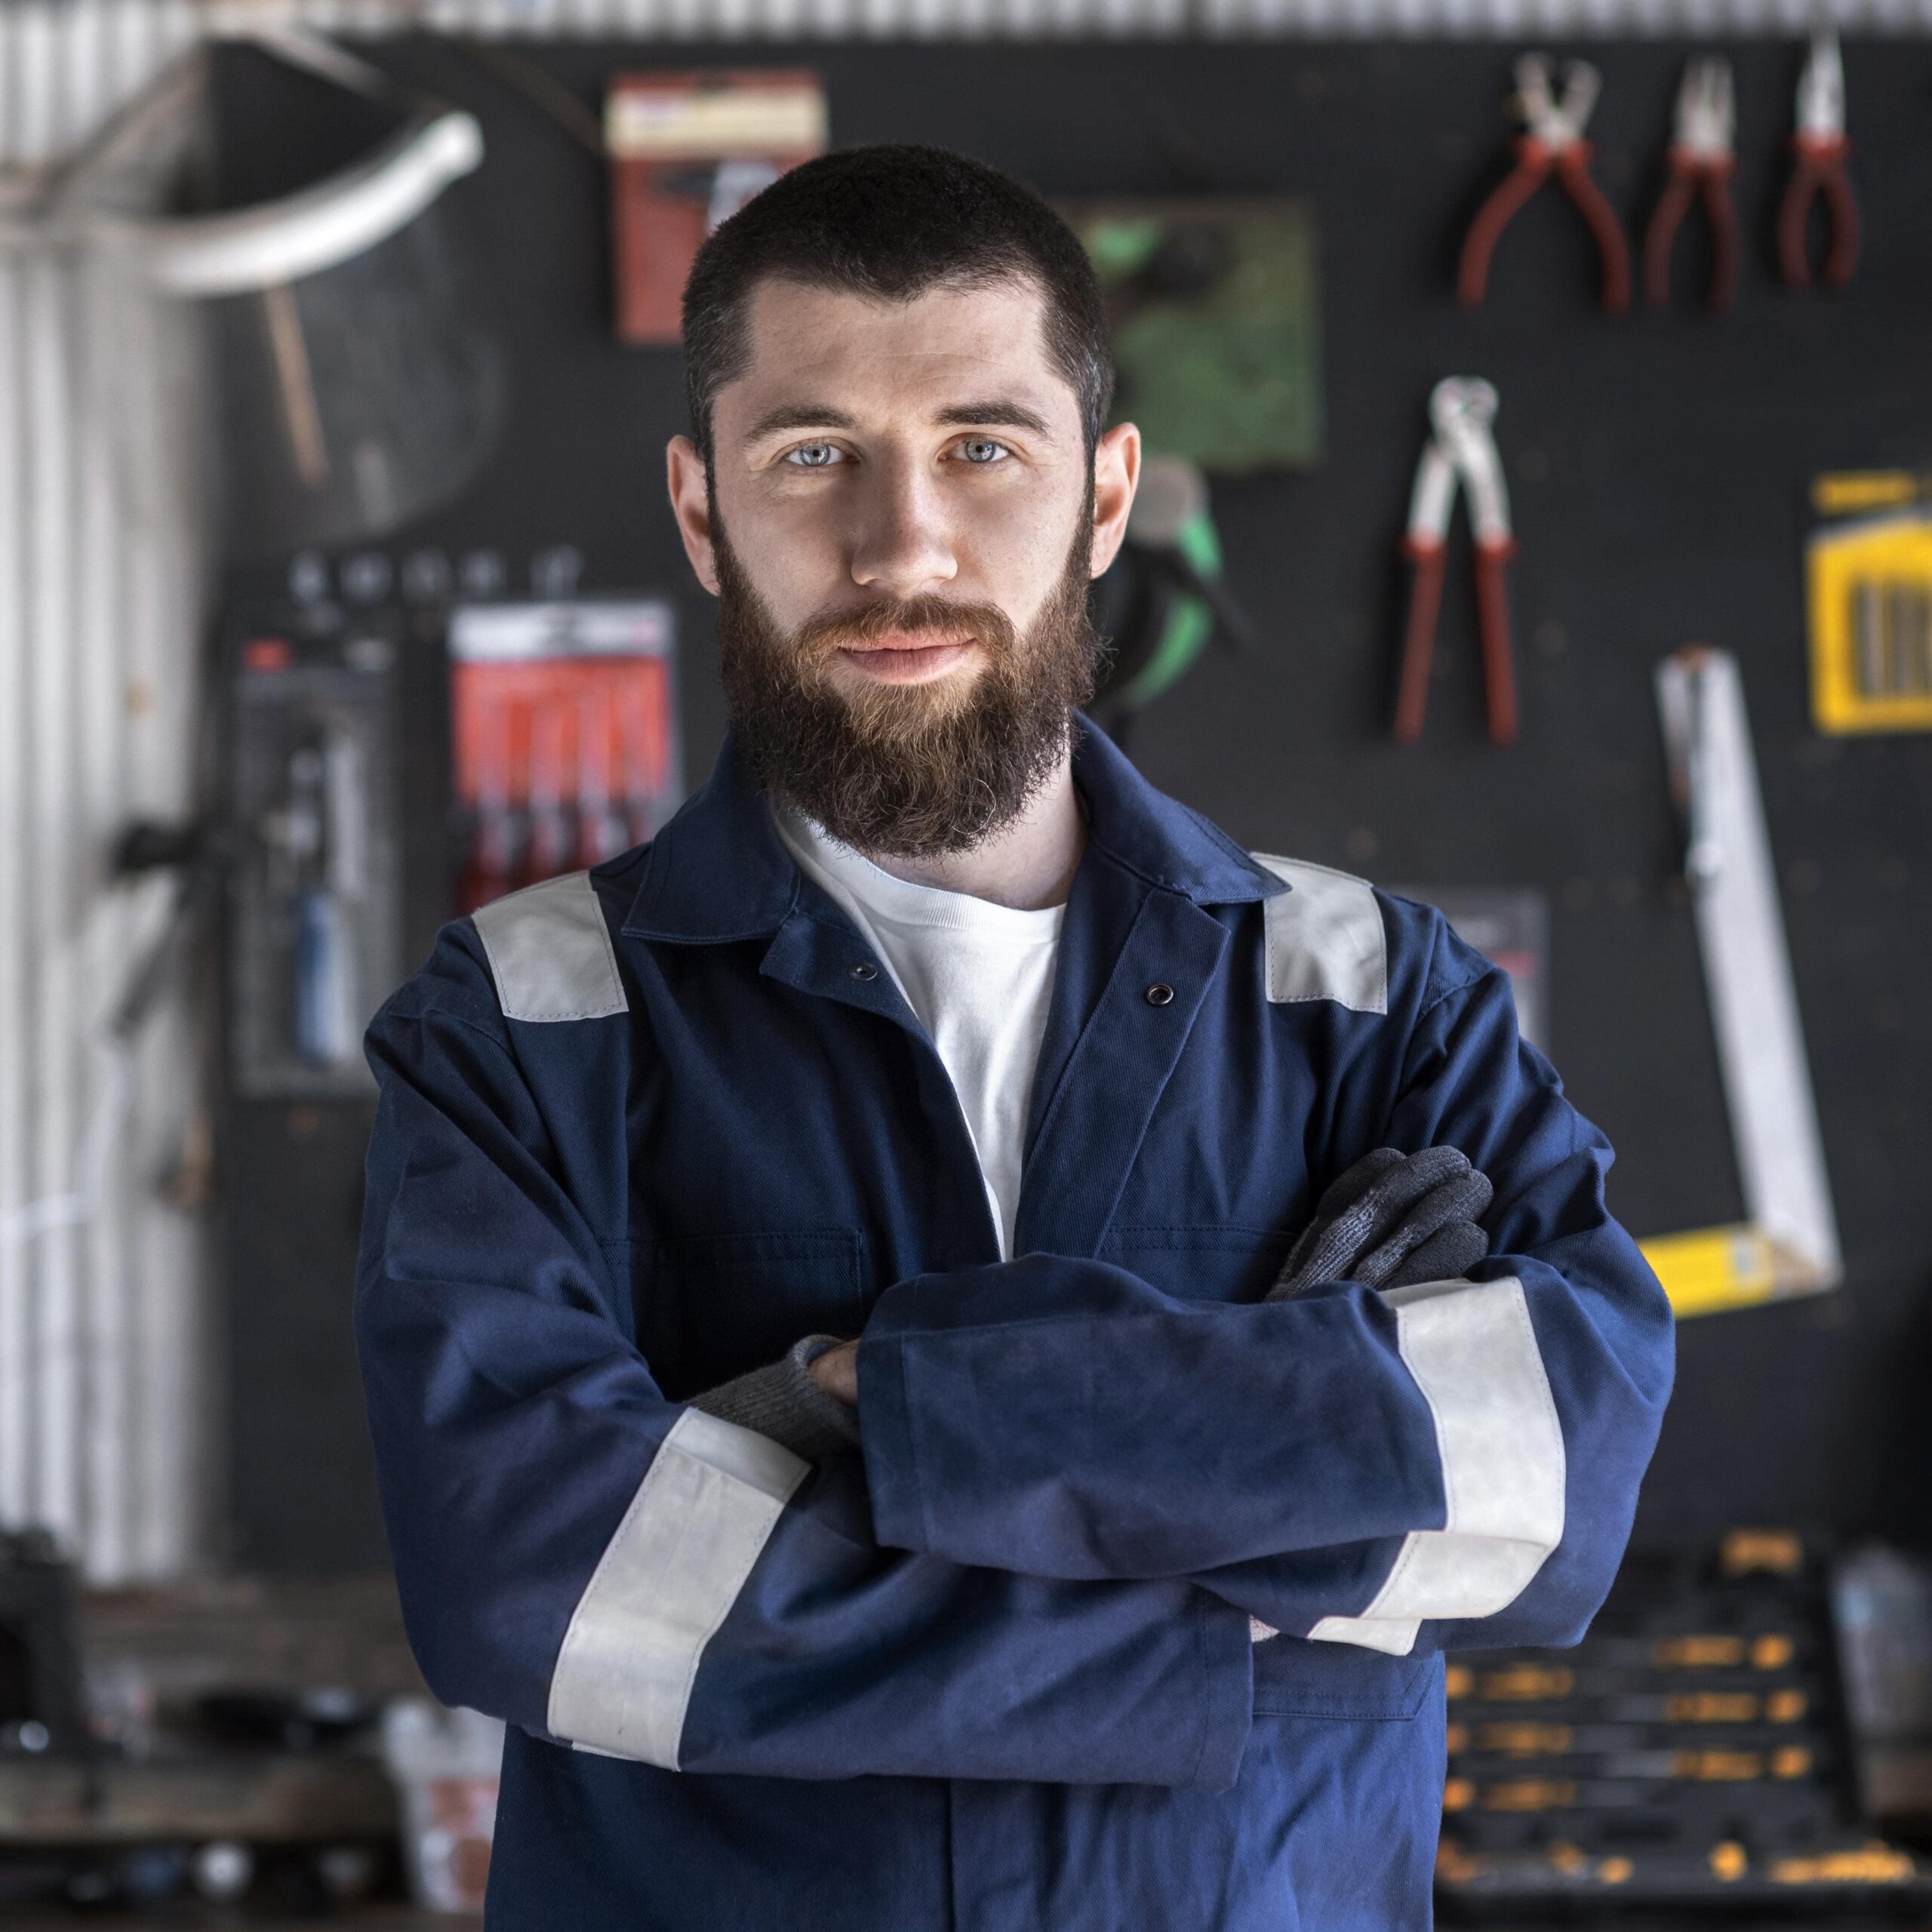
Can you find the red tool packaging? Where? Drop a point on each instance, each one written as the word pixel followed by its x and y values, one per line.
pixel 565 727
pixel 687 151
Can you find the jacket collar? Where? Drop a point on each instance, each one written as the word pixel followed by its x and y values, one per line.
pixel 718 871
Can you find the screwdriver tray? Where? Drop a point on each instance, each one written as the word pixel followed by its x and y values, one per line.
pixel 1694 1749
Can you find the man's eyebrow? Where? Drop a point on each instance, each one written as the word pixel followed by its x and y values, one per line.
pixel 799 416
pixel 998 413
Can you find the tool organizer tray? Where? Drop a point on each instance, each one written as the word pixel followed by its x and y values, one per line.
pixel 1693 1748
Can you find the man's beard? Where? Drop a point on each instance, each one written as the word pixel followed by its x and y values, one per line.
pixel 908 769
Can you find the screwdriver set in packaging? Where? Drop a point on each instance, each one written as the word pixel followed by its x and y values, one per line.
pixel 565 733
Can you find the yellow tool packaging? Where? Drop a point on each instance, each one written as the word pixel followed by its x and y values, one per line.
pixel 1868 602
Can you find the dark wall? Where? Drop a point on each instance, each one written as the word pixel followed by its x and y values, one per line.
pixel 1658 466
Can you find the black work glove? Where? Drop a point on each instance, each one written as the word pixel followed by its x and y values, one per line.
pixel 1391 1220
pixel 783 1402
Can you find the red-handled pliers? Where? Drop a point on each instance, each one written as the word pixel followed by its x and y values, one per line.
pixel 1702 156
pixel 1461 408
pixel 1553 139
pixel 1821 147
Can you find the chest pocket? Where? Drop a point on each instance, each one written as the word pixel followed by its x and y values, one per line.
pixel 709 1307
pixel 1294 1678
pixel 1210 1263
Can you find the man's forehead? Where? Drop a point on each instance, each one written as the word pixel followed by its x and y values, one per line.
pixel 814 347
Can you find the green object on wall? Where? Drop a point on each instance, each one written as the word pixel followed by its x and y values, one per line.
pixel 1190 622
pixel 1216 326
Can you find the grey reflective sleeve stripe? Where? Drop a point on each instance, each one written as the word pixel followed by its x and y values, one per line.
pixel 1325 938
pixel 1473 1356
pixel 668 1579
pixel 550 952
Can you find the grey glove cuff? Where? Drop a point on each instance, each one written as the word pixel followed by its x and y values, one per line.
pixel 783 1402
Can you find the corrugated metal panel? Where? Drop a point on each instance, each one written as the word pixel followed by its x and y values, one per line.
pixel 65 65
pixel 102 1387
pixel 1020 20
pixel 145 432
pixel 16 1183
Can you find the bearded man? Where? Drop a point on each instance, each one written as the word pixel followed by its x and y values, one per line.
pixel 949 1348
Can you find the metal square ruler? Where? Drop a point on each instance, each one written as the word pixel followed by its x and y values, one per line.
pixel 1788 1243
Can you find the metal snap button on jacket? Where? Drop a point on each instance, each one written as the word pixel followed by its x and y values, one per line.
pixel 1158 994
pixel 865 969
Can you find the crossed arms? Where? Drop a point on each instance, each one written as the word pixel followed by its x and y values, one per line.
pixel 1073 1490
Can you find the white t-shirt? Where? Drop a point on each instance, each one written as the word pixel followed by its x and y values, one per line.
pixel 976 974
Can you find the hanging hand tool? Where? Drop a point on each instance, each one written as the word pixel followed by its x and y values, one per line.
pixel 1821 148
pixel 1701 158
pixel 322 837
pixel 1553 141
pixel 1461 408
pixel 1164 601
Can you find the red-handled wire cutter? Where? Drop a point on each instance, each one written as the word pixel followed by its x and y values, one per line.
pixel 1552 140
pixel 1461 408
pixel 1702 157
pixel 1821 148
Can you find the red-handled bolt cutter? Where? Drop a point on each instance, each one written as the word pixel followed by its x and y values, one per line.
pixel 1552 140
pixel 1461 408
pixel 1702 157
pixel 1821 148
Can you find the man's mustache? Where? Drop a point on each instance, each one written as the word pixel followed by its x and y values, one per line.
pixel 937 617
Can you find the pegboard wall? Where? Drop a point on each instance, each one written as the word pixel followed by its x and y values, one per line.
pixel 1659 466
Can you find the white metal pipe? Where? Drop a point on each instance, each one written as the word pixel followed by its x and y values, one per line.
pixel 316 228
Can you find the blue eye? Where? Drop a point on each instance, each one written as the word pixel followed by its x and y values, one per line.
pixel 813 456
pixel 983 451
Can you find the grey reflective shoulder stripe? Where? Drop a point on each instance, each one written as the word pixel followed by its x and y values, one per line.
pixel 1325 938
pixel 1473 1353
pixel 668 1579
pixel 550 952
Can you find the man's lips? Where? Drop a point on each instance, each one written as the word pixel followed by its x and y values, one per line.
pixel 906 657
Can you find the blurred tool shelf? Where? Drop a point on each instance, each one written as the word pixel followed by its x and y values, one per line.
pixel 193 1919
pixel 1693 1749
pixel 265 1798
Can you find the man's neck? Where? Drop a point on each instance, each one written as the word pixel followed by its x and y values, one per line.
pixel 1028 864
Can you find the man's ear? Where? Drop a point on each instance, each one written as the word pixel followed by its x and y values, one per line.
pixel 1116 476
pixel 691 504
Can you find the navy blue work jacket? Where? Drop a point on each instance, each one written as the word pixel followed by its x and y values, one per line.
pixel 641 1129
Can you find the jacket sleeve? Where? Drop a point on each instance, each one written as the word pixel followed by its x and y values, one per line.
pixel 1454 1463
pixel 633 1576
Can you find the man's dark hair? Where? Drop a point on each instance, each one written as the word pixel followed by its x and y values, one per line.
pixel 891 222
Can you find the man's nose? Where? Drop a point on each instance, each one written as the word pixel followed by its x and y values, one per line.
pixel 902 546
